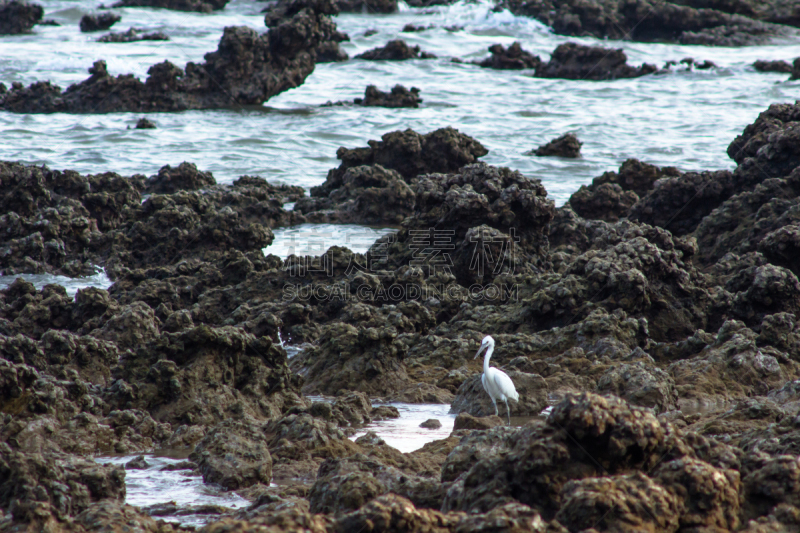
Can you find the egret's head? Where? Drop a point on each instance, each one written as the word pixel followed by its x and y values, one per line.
pixel 487 340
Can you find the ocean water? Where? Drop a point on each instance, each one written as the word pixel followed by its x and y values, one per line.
pixel 680 118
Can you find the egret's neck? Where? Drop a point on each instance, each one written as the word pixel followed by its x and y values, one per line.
pixel 488 356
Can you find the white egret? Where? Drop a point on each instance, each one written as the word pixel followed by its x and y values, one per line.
pixel 496 383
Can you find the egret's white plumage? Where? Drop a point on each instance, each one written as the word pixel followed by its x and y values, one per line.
pixel 496 383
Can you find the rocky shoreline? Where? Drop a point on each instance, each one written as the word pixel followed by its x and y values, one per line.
pixel 657 312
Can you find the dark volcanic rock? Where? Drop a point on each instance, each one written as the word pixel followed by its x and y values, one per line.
pixel 592 453
pixel 319 34
pixel 646 21
pixel 409 153
pixel 368 195
pixel 34 486
pixel 641 385
pixel 431 423
pixel 412 28
pixel 90 23
pixel 777 11
pixel 465 420
pixel 184 178
pixel 611 195
pixel 773 66
pixel 399 96
pixel 514 58
pixel 132 35
pixel 86 214
pixel 367 6
pixel 247 68
pixel 19 17
pixel 203 6
pixel 481 207
pixel 574 61
pixel 372 185
pixel 145 124
pixel 567 145
pixel 234 454
pixel 396 50
pixel 473 399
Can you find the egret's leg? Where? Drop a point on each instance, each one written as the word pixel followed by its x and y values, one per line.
pixel 508 412
pixel 496 412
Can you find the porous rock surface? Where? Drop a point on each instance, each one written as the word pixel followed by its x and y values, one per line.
pixel 706 22
pixel 19 17
pixel 662 336
pixel 247 68
pixel 202 6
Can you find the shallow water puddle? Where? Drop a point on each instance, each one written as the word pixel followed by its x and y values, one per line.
pixel 153 486
pixel 404 433
pixel 99 280
pixel 315 239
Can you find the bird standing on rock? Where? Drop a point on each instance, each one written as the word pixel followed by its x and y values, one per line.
pixel 496 383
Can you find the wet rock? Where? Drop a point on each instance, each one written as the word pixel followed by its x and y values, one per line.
pixel 90 23
pixel 115 516
pixel 409 153
pixel 423 393
pixel 486 443
pixel 205 374
pixel 638 503
pixel 574 61
pixel 184 178
pixel 396 50
pixel 777 65
pixel 234 454
pixel 246 68
pixel 764 290
pixel 611 195
pixel 567 145
pixel 640 385
pixel 361 359
pixel 139 463
pixel 679 204
pixel 383 412
pixel 465 420
pixel 413 28
pixel 473 399
pixel 344 485
pixel 774 483
pixel 646 21
pixel 795 70
pixel 431 423
pixel 293 17
pixel 145 124
pixel 743 221
pixel 513 58
pixel 782 247
pixel 733 367
pixel 774 128
pixel 35 486
pixel 583 438
pixel 202 6
pixel 479 208
pixel 607 201
pixel 399 96
pixel 354 408
pixel 367 6
pixel 131 36
pixel 367 195
pixel 19 17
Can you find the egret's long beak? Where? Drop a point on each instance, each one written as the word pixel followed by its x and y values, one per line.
pixel 478 352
